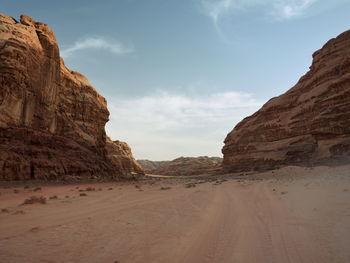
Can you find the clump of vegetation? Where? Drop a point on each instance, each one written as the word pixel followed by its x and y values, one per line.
pixel 67 196
pixel 81 190
pixel 90 189
pixel 165 188
pixel 110 188
pixel 5 210
pixel 35 200
pixel 83 194
pixel 36 189
pixel 53 197
pixel 190 185
pixel 34 229
pixel 16 191
pixel 283 193
pixel 26 186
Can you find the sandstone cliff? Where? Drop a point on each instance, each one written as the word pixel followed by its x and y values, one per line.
pixel 120 154
pixel 308 125
pixel 51 119
pixel 183 166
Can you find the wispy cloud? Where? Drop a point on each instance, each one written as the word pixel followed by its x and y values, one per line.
pixel 166 126
pixel 279 9
pixel 292 8
pixel 97 43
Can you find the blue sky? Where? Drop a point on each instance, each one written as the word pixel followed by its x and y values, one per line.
pixel 179 74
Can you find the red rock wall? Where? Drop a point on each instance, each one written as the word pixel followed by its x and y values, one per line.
pixel 51 119
pixel 308 125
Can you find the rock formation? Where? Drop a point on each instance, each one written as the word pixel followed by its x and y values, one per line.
pixel 51 119
pixel 120 154
pixel 307 125
pixel 183 166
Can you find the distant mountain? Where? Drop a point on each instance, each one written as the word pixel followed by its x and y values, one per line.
pixel 183 166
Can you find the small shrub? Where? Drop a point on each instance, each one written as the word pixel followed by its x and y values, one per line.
pixel 83 194
pixel 16 191
pixel 5 210
pixel 81 190
pixel 110 188
pixel 190 185
pixel 90 189
pixel 36 189
pixel 67 196
pixel 165 188
pixel 34 229
pixel 53 197
pixel 283 193
pixel 26 186
pixel 35 200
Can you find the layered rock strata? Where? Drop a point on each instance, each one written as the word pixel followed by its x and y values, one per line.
pixel 308 125
pixel 51 119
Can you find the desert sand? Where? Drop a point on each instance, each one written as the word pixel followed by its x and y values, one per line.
pixel 289 215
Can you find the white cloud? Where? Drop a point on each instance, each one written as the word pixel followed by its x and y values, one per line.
pixel 279 9
pixel 96 43
pixel 165 126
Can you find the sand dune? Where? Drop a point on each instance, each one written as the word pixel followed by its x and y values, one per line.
pixel 291 215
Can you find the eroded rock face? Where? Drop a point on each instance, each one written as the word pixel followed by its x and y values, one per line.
pixel 120 154
pixel 308 125
pixel 51 119
pixel 184 166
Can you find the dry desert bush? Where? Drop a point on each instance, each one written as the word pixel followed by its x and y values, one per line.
pixel 35 200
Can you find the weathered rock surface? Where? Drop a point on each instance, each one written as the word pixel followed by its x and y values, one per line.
pixel 51 119
pixel 183 166
pixel 120 155
pixel 308 125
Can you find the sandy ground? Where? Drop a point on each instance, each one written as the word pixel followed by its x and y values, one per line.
pixel 292 215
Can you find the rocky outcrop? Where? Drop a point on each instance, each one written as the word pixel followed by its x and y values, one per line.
pixel 183 166
pixel 51 119
pixel 308 125
pixel 120 155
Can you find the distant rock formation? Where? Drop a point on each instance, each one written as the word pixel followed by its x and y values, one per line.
pixel 183 166
pixel 51 119
pixel 308 125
